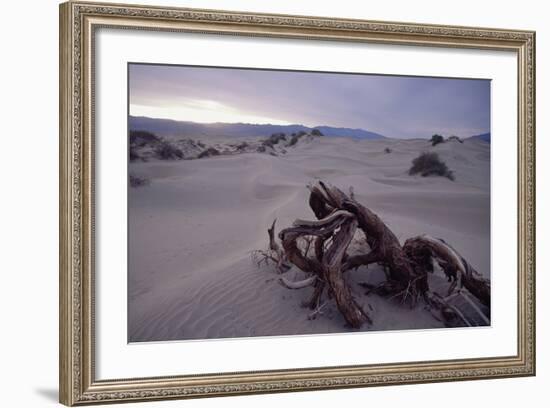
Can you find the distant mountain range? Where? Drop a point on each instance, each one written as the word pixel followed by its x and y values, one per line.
pixel 486 137
pixel 167 127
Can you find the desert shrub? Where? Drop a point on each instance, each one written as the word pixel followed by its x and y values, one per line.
pixel 134 155
pixel 274 139
pixel 211 151
pixel 436 139
pixel 166 151
pixel 300 134
pixel 242 146
pixel 136 181
pixel 261 149
pixel 387 150
pixel 429 164
pixel 459 140
pixel 142 137
pixel 294 140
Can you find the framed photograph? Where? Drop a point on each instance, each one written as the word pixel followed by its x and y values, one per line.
pixel 256 203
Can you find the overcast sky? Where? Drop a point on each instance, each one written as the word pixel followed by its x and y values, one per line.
pixel 401 107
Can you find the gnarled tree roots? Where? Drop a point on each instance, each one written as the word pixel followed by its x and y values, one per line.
pixel 321 249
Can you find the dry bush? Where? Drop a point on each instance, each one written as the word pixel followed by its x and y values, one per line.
pixel 429 164
pixel 211 151
pixel 436 139
pixel 136 181
pixel 166 151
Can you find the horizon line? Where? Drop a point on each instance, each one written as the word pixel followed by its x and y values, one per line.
pixel 299 124
pixel 252 123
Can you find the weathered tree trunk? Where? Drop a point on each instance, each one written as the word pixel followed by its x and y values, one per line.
pixel 329 269
pixel 457 269
pixel 332 268
pixel 338 217
pixel 385 247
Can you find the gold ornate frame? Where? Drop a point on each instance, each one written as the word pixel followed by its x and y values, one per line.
pixel 78 22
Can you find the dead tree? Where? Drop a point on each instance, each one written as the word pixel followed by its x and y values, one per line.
pixel 339 216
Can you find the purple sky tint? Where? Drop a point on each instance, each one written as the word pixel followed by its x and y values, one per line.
pixel 402 107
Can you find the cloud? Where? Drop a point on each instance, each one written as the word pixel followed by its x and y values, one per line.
pixel 395 106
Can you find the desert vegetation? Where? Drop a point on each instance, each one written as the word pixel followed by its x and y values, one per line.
pixel 429 164
pixel 455 138
pixel 136 181
pixel 145 146
pixel 167 151
pixel 211 151
pixel 142 137
pixel 274 139
pixel 437 139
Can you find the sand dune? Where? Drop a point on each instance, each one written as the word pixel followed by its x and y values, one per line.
pixel 193 227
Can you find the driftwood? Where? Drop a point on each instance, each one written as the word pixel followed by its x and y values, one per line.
pixel 320 248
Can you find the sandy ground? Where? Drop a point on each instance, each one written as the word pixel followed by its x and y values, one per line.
pixel 192 230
